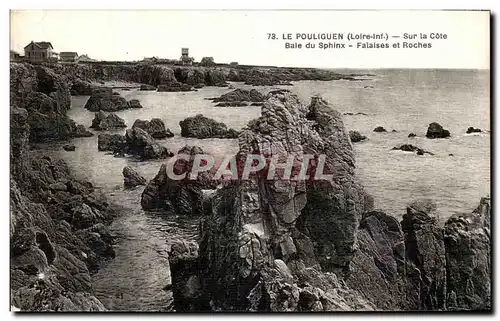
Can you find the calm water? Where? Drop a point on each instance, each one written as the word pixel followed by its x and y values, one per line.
pixel 405 100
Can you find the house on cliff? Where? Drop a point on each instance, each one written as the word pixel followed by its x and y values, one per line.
pixel 68 57
pixel 38 51
pixel 14 56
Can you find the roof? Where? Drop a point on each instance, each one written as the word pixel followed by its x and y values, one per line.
pixel 68 53
pixel 41 44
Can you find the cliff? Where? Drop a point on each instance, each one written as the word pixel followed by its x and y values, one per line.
pixel 79 75
pixel 316 245
pixel 58 233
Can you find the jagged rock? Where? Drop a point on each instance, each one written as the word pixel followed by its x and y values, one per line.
pixel 411 148
pixel 356 136
pixel 239 97
pixel 102 121
pixel 473 130
pixel 140 143
pixel 69 147
pixel 173 87
pixel 147 87
pixel 103 99
pixel 380 129
pixel 410 135
pixel 155 127
pixel 131 178
pixel 183 196
pixel 134 103
pixel 204 127
pixel 436 131
pixel 111 142
pixel 81 131
pixel 232 104
pixel 81 88
pixel 425 247
pixel 468 259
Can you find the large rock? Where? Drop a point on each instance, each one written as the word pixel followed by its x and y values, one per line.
pixel 204 127
pixel 155 128
pixel 103 99
pixel 467 240
pixel 471 130
pixel 425 247
pixel 131 178
pixel 411 148
pixel 102 121
pixel 140 143
pixel 182 196
pixel 239 97
pixel 173 87
pixel 115 143
pixel 436 131
pixel 356 136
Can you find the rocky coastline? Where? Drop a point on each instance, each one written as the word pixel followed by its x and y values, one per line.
pixel 264 246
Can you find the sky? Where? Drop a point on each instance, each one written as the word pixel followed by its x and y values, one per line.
pixel 242 36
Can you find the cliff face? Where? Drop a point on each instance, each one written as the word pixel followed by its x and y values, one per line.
pixel 57 223
pixel 316 245
pixel 196 76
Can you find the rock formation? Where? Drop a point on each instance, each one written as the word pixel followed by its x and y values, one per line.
pixel 155 128
pixel 140 143
pixel 411 148
pixel 436 131
pixel 136 142
pixel 471 130
pixel 103 99
pixel 131 178
pixel 356 136
pixel 58 233
pixel 204 127
pixel 380 129
pixel 46 98
pixel 69 147
pixel 184 196
pixel 318 245
pixel 239 97
pixel 102 121
pixel 174 86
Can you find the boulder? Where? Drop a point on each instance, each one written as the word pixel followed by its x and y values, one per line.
pixel 131 178
pixel 356 136
pixel 380 129
pixel 410 135
pixel 471 130
pixel 155 127
pixel 425 248
pixel 140 143
pixel 134 103
pixel 411 148
pixel 239 97
pixel 103 99
pixel 80 131
pixel 147 87
pixel 111 142
pixel 436 131
pixel 69 147
pixel 467 240
pixel 204 127
pixel 102 121
pixel 182 196
pixel 173 87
